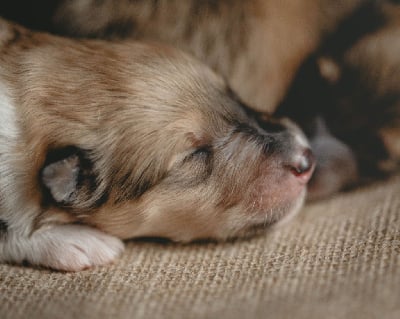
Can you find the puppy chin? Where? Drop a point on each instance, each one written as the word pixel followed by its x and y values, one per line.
pixel 273 218
pixel 292 210
pixel 276 199
pixel 286 190
pixel 278 203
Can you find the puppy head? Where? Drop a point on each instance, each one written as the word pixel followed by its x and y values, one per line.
pixel 179 157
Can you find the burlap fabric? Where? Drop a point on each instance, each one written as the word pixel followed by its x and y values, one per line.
pixel 339 259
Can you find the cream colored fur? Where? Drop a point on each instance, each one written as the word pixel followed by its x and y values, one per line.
pixel 106 141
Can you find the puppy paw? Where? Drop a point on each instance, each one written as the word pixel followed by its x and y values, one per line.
pixel 336 164
pixel 73 248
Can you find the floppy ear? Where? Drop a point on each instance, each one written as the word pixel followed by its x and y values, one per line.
pixel 61 178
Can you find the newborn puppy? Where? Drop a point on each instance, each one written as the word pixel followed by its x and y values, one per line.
pixel 106 141
pixel 257 45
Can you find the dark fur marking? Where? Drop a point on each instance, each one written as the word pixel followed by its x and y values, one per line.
pixel 87 180
pixel 245 129
pixel 368 18
pixel 130 189
pixel 275 139
pixel 120 29
pixel 3 229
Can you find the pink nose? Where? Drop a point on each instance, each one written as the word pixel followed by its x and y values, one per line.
pixel 302 165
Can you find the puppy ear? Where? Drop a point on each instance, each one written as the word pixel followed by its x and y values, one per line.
pixel 61 178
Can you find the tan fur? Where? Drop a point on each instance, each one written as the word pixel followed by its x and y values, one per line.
pixel 163 148
pixel 256 45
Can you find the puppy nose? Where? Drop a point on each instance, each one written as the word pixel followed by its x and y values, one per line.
pixel 302 165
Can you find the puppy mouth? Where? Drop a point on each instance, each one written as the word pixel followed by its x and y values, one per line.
pixel 282 193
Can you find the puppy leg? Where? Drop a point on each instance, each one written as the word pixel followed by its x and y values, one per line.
pixel 63 247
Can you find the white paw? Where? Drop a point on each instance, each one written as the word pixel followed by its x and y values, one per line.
pixel 73 248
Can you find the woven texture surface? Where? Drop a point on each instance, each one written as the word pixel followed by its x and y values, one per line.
pixel 339 258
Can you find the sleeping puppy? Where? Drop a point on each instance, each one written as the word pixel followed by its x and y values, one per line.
pixel 105 141
pixel 258 46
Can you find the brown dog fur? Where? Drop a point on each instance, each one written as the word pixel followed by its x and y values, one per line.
pixel 256 45
pixel 134 139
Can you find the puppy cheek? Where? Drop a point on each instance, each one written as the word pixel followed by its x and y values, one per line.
pixel 185 220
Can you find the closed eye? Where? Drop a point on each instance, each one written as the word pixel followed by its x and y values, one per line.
pixel 202 153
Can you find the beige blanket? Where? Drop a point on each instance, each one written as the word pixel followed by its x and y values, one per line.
pixel 339 258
